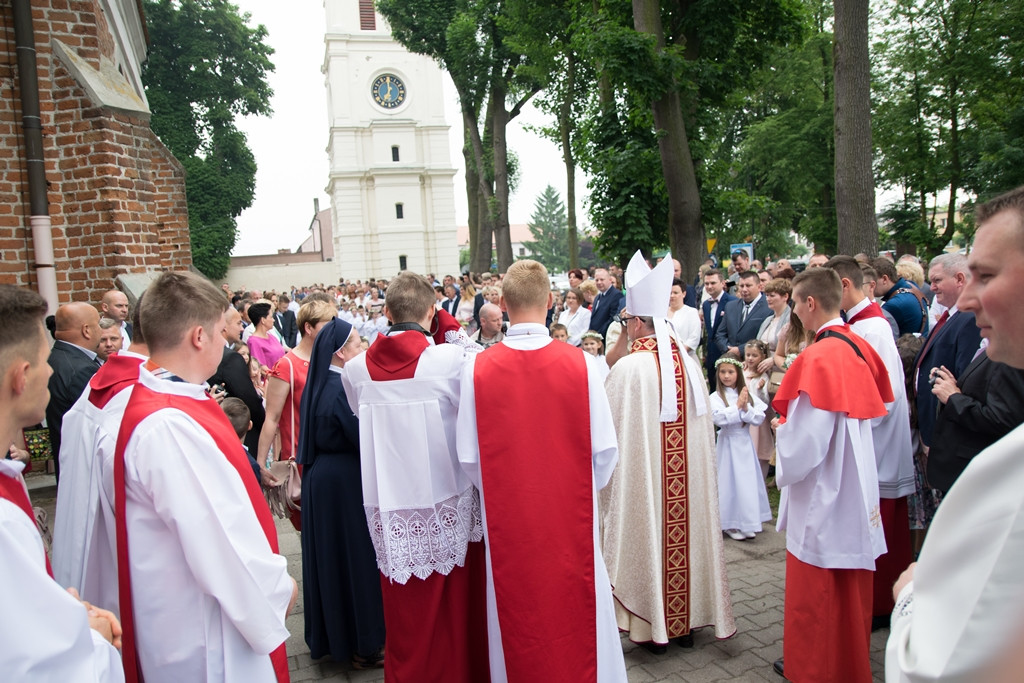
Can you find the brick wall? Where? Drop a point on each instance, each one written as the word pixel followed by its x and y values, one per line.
pixel 117 195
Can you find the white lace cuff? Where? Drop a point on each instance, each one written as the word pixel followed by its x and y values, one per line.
pixel 423 541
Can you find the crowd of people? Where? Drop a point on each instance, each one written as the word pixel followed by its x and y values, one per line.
pixel 432 471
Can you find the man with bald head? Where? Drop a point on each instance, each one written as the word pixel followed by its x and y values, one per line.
pixel 114 306
pixel 74 362
pixel 491 326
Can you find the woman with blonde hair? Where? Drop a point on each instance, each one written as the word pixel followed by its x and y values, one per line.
pixel 465 313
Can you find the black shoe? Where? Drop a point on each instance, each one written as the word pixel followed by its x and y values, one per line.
pixel 880 622
pixel 777 666
pixel 654 648
pixel 771 471
pixel 685 641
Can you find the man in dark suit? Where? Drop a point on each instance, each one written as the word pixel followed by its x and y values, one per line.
pixel 233 374
pixel 74 362
pixel 607 304
pixel 284 321
pixel 450 302
pixel 952 343
pixel 976 409
pixel 714 313
pixel 743 317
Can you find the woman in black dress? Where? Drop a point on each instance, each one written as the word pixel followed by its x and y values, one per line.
pixel 340 581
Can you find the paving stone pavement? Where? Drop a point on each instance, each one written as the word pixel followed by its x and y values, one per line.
pixel 756 580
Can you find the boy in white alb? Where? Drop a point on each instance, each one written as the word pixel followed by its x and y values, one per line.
pixel 422 510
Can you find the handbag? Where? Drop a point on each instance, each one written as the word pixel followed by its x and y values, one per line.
pixel 775 381
pixel 287 495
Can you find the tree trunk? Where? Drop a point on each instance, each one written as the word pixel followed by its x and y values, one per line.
pixel 472 195
pixel 855 184
pixel 565 124
pixel 481 261
pixel 502 234
pixel 686 233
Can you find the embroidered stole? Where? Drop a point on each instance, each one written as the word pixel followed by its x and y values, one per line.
pixel 675 502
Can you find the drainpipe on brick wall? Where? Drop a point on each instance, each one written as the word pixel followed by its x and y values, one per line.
pixel 39 210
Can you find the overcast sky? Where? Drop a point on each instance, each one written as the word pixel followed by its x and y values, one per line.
pixel 290 146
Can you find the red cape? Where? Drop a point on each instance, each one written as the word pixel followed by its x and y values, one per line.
pixel 835 378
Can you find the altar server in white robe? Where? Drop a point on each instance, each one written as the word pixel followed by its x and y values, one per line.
pixel 84 546
pixel 45 633
pixel 959 612
pixel 204 582
pixel 526 377
pixel 894 452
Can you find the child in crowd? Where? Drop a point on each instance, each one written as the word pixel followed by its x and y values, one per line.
pixel 560 332
pixel 593 343
pixel 742 498
pixel 258 376
pixel 238 416
pixel 754 353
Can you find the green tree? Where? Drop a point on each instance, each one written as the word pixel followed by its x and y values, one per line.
pixel 206 66
pixel 550 230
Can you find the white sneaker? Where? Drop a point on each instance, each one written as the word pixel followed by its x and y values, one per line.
pixel 735 534
pixel 749 534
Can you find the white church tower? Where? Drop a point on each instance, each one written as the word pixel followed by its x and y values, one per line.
pixel 391 176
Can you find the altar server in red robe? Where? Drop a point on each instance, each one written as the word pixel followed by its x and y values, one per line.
pixel 550 614
pixel 44 631
pixel 830 507
pixel 423 511
pixel 204 592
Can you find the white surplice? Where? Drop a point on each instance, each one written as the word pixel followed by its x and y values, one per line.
pixel 826 470
pixel 742 497
pixel 84 541
pixel 631 505
pixel 604 450
pixel 208 593
pixel 410 469
pixel 894 451
pixel 44 632
pixel 964 610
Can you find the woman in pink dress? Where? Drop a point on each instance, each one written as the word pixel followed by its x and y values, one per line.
pixel 263 346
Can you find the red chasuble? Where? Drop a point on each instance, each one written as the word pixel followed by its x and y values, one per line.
pixel 675 489
pixel 143 403
pixel 539 500
pixel 835 378
pixel 13 489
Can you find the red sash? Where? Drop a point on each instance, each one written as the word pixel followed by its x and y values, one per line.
pixel 872 310
pixel 13 489
pixel 538 490
pixel 835 379
pixel 143 403
pixel 675 502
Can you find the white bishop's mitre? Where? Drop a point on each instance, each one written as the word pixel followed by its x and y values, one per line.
pixel 647 295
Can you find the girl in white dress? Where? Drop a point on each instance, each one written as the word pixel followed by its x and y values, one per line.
pixel 754 353
pixel 742 498
pixel 593 343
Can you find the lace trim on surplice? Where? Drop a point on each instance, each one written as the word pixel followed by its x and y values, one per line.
pixel 423 541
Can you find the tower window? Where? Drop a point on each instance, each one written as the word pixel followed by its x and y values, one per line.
pixel 398 211
pixel 394 152
pixel 403 263
pixel 367 19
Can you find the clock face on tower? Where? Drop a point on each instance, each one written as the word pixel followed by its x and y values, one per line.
pixel 388 91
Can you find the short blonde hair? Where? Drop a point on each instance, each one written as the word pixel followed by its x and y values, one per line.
pixel 313 312
pixel 913 272
pixel 175 302
pixel 588 287
pixel 526 285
